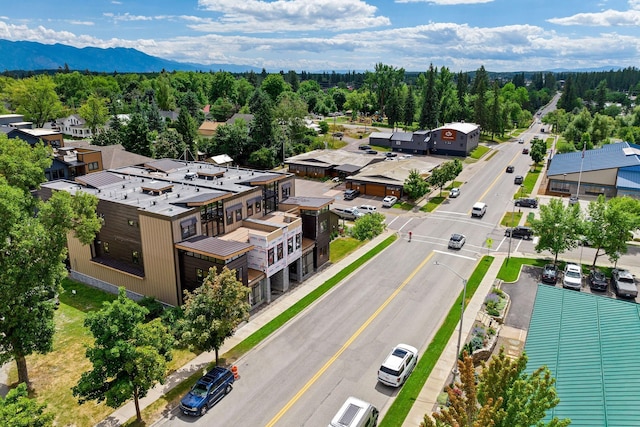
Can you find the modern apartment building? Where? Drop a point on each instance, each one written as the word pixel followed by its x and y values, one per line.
pixel 166 223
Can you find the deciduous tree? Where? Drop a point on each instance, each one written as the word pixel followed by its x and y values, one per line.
pixel 128 356
pixel 214 310
pixel 369 226
pixel 558 228
pixel 94 112
pixel 415 185
pixel 17 410
pixel 36 98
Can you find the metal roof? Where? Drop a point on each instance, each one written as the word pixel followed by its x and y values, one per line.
pixel 608 156
pixel 629 178
pixel 591 345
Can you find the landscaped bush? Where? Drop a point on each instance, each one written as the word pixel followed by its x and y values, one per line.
pixel 494 302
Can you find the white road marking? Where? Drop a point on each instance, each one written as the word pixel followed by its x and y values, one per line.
pixel 456 255
pixel 405 224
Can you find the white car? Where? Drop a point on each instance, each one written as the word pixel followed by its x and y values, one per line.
pixel 396 368
pixel 389 201
pixel 572 278
pixel 368 209
pixel 457 241
pixel 455 192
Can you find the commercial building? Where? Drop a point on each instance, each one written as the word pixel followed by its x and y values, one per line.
pixel 166 223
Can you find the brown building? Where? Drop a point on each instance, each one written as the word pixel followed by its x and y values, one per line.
pixel 165 224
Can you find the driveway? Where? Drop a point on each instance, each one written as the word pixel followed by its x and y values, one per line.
pixel 523 294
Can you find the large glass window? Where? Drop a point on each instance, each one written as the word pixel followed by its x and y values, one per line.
pixel 298 240
pixel 249 208
pixel 290 245
pixel 280 251
pixel 271 256
pixel 239 214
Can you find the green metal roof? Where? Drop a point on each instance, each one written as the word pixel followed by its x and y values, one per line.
pixel 591 344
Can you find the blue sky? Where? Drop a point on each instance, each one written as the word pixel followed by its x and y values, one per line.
pixel 326 35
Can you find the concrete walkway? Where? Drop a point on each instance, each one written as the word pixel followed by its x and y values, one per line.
pixel 258 320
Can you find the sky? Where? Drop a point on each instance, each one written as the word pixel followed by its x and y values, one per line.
pixel 342 35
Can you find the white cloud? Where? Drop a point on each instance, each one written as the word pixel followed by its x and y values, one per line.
pixel 445 2
pixel 255 16
pixel 127 17
pixel 607 18
pixel 73 22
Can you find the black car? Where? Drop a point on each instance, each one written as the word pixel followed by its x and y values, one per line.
pixel 364 147
pixel 351 194
pixel 371 152
pixel 597 280
pixel 527 203
pixel 519 179
pixel 510 169
pixel 525 151
pixel 519 231
pixel 550 274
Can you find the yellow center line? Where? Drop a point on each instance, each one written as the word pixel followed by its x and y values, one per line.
pixel 346 345
pixel 492 184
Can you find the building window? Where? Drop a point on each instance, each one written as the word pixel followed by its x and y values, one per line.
pixel 280 251
pixel 93 166
pixel 229 217
pixel 290 245
pixel 323 226
pixel 270 256
pixel 249 208
pixel 258 205
pixel 298 240
pixel 239 274
pixel 286 191
pixel 239 214
pixel 199 273
pixel 135 257
pixel 188 228
pixel 105 247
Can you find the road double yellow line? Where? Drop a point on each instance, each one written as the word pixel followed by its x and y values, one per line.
pixel 346 345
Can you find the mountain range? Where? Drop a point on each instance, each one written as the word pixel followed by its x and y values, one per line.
pixel 32 56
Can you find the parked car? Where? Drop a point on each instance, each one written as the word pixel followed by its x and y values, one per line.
pixel 367 209
pixel 389 201
pixel 519 231
pixel 348 213
pixel 364 147
pixel 623 283
pixel 572 277
pixel 391 154
pixel 371 152
pixel 525 151
pixel 510 169
pixel 351 194
pixel 550 274
pixel 455 192
pixel 519 179
pixel 209 389
pixel 597 280
pixel 573 200
pixel 527 203
pixel 398 365
pixel 457 241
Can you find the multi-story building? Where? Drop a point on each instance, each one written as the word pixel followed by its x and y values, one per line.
pixel 165 224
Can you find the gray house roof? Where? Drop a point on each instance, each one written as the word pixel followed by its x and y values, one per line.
pixel 629 178
pixel 610 156
pixel 591 345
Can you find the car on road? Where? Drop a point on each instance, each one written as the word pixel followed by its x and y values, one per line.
pixel 623 283
pixel 348 213
pixel 519 231
pixel 367 209
pixel 479 209
pixel 520 140
pixel 391 154
pixel 457 241
pixel 371 152
pixel 519 179
pixel 527 203
pixel 525 151
pixel 573 200
pixel 455 192
pixel 364 147
pixel 597 280
pixel 510 169
pixel 398 365
pixel 572 276
pixel 351 194
pixel 550 274
pixel 209 389
pixel 355 413
pixel 389 201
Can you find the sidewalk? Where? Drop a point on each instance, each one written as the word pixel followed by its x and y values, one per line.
pixel 262 317
pixel 427 399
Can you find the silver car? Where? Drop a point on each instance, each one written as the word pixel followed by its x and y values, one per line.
pixel 457 241
pixel 623 283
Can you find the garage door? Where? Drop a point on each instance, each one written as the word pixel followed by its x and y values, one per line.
pixel 376 190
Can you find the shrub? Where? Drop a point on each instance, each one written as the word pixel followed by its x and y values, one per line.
pixel 154 306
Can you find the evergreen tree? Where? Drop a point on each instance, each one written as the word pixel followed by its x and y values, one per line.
pixel 409 109
pixel 136 136
pixel 430 104
pixel 479 90
pixel 261 127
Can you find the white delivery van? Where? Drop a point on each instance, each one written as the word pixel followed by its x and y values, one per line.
pixel 355 413
pixel 479 209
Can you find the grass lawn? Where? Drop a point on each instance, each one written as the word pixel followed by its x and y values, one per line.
pixel 54 374
pixel 479 151
pixel 401 406
pixel 511 219
pixel 343 246
pixel 433 203
pixel 404 206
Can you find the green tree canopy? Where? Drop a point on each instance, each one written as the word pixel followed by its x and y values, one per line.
pixel 94 112
pixel 36 98
pixel 128 356
pixel 214 310
pixel 17 410
pixel 415 186
pixel 558 228
pixel 369 226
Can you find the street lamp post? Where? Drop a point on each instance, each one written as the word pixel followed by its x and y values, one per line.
pixel 464 296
